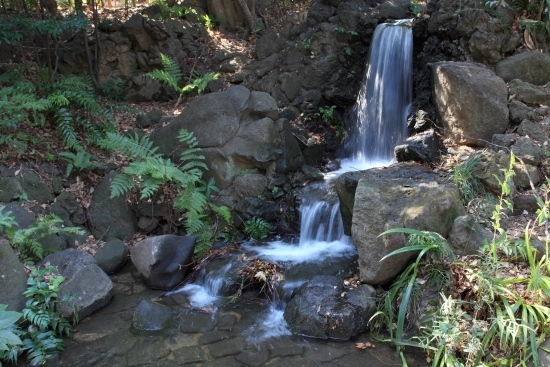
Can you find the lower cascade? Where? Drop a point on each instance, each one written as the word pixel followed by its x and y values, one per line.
pixel 322 255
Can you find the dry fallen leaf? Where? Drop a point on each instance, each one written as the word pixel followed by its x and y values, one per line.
pixel 364 345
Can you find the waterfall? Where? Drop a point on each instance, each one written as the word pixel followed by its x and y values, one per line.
pixel 382 106
pixel 380 115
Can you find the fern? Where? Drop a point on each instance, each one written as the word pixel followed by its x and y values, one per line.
pixel 122 183
pixel 27 240
pixel 132 147
pixel 170 76
pixel 79 162
pixel 150 171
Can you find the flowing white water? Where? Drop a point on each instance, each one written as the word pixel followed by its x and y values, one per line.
pixel 380 117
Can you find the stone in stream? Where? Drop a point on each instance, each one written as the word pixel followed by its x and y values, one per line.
pixel 323 309
pixel 163 261
pixel 151 316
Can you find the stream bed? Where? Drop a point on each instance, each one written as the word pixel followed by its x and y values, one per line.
pixel 226 337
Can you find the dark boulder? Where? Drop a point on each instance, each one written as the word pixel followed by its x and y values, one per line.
pixel 163 261
pixel 322 309
pixel 85 284
pixel 13 278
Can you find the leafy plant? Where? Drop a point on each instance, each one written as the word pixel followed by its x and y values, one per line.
pixel 70 104
pixel 172 76
pixel 496 310
pixel 79 161
pixel 46 326
pixel 9 338
pixel 26 240
pixel 150 170
pixel 257 228
pixel 344 30
pixel 326 113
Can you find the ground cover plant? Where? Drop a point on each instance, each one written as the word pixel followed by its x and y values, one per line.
pixel 494 307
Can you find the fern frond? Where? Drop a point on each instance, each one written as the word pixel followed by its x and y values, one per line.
pixel 133 147
pixel 58 99
pixel 171 67
pixel 223 211
pixel 64 123
pixel 122 184
pixel 188 138
pixel 195 223
pixel 149 187
pixel 190 200
pixel 165 78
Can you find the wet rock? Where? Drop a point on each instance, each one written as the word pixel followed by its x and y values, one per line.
pixel 13 278
pixel 467 236
pixel 253 356
pixel 291 158
pixel 193 354
pixel 311 173
pixel 112 256
pixel 318 309
pixel 528 93
pixel 422 148
pixel 110 217
pixel 530 66
pixel 394 9
pixel 148 352
pixel 163 261
pixel 404 195
pixel 151 316
pixel 470 101
pixel 88 285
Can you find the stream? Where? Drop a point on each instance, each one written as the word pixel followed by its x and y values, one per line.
pixel 252 331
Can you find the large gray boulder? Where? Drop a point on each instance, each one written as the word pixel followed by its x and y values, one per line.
pixel 163 261
pixel 470 101
pixel 13 278
pixel 236 130
pixel 321 309
pixel 530 66
pixel 403 195
pixel 85 284
pixel 110 217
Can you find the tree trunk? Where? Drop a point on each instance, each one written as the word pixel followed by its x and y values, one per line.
pixel 234 13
